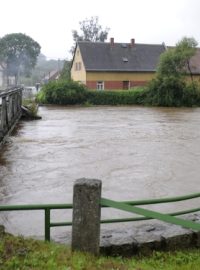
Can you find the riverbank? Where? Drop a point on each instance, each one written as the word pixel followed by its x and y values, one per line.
pixel 167 93
pixel 21 253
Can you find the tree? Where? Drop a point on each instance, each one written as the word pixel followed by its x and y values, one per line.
pixel 91 30
pixel 176 61
pixel 18 54
pixel 168 87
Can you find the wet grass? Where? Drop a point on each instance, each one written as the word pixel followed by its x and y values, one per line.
pixel 27 254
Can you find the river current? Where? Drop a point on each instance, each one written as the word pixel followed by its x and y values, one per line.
pixel 137 152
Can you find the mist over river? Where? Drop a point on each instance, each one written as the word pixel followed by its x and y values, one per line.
pixel 137 152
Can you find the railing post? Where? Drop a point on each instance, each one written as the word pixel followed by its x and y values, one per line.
pixel 4 114
pixel 47 224
pixel 86 215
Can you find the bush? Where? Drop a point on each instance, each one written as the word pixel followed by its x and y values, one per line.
pixel 162 91
pixel 172 92
pixel 62 92
pixel 191 95
pixel 70 93
pixel 166 91
pixel 117 97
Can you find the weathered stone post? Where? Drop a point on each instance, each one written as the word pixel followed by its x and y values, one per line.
pixel 86 215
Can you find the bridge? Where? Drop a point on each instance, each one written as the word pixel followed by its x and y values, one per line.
pixel 10 110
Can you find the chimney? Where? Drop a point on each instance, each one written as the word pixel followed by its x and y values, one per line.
pixel 112 42
pixel 132 44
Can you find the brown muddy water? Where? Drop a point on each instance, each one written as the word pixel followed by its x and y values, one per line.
pixel 137 152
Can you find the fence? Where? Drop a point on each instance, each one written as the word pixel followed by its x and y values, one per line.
pixel 87 203
pixel 10 110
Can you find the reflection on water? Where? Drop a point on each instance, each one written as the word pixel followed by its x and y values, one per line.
pixel 137 152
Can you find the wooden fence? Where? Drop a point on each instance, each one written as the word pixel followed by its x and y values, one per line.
pixel 10 110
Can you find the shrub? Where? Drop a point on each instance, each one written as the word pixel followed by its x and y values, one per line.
pixel 117 97
pixel 62 92
pixel 191 94
pixel 165 91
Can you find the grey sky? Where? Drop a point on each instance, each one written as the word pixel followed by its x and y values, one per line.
pixel 50 22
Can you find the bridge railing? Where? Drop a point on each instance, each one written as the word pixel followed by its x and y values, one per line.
pixel 10 109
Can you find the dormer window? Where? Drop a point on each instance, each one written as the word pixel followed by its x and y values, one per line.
pixel 125 59
pixel 124 45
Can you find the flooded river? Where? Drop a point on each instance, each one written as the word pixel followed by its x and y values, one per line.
pixel 137 152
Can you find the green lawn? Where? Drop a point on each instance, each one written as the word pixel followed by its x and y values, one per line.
pixel 19 253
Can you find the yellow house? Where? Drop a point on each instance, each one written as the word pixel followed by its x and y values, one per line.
pixel 112 65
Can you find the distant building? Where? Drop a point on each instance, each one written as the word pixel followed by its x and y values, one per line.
pixel 51 76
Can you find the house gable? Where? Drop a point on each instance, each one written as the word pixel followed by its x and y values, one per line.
pixel 78 72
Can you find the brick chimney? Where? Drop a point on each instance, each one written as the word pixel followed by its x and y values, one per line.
pixel 112 42
pixel 132 44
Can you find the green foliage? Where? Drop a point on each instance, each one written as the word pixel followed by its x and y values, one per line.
pixel 117 97
pixel 175 61
pixel 91 30
pixel 165 91
pixel 19 253
pixel 191 95
pixel 62 92
pixel 19 54
pixel 70 93
pixel 169 87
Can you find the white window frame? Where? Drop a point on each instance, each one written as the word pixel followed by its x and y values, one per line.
pixel 100 85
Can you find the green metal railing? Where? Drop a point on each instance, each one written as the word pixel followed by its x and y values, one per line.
pixel 47 213
pixel 129 206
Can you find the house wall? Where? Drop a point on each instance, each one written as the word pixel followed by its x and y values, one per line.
pixel 78 75
pixel 195 77
pixel 114 80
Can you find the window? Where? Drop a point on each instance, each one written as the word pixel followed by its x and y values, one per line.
pixel 126 85
pixel 100 85
pixel 78 66
pixel 125 59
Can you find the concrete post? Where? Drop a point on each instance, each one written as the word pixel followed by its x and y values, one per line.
pixel 86 215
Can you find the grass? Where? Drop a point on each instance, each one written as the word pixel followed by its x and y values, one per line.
pixel 17 253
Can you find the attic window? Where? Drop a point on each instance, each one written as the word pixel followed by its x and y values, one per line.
pixel 124 45
pixel 125 59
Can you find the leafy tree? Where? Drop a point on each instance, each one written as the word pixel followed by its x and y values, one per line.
pixel 18 54
pixel 176 61
pixel 168 87
pixel 91 30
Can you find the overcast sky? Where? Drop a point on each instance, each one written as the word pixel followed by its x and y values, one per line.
pixel 50 22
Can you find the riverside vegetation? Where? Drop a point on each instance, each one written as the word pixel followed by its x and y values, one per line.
pixel 17 253
pixel 173 85
pixel 160 92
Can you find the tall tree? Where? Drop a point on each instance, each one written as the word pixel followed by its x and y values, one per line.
pixel 167 89
pixel 176 61
pixel 18 54
pixel 91 30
